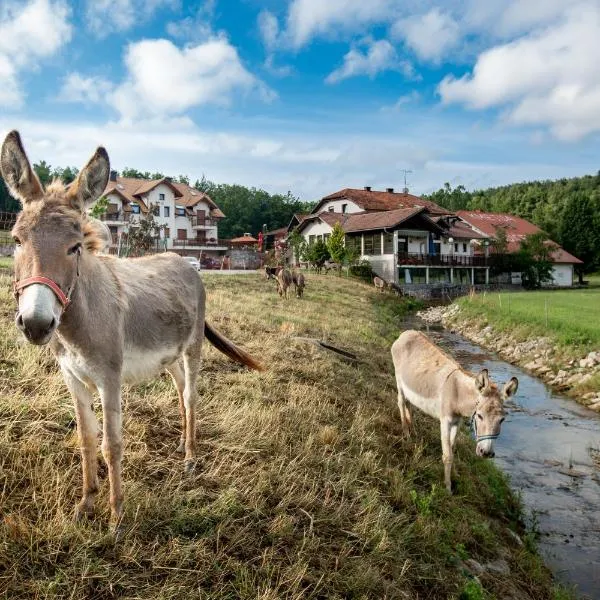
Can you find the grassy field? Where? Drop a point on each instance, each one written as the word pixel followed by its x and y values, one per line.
pixel 306 488
pixel 571 317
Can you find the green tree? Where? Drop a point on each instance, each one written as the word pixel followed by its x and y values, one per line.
pixel 142 237
pixel 535 256
pixel 298 245
pixel 44 172
pixel 317 254
pixel 579 231
pixel 336 247
pixel 100 207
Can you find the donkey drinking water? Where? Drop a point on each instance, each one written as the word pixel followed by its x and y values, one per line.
pixel 108 320
pixel 436 384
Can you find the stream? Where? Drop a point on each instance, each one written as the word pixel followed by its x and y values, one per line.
pixel 550 447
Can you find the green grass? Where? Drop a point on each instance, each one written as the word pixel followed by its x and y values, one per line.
pixel 570 317
pixel 6 262
pixel 306 486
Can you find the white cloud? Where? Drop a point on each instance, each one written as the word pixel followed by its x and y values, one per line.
pixel 197 28
pixel 164 79
pixel 88 90
pixel 308 18
pixel 104 17
pixel 549 77
pixel 268 26
pixel 29 33
pixel 379 56
pixel 402 101
pixel 429 35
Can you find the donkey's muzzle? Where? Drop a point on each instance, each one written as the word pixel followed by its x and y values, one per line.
pixel 485 452
pixel 38 329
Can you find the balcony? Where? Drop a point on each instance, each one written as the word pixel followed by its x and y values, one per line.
pixel 201 222
pixel 115 218
pixel 444 260
pixel 201 244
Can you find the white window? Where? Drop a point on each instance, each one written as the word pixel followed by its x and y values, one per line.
pixel 161 197
pixel 135 208
pixel 167 210
pixel 331 209
pixel 344 207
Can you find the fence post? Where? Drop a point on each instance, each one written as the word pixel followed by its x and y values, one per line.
pixel 500 300
pixel 546 310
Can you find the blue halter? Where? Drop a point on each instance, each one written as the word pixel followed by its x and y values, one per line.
pixel 480 438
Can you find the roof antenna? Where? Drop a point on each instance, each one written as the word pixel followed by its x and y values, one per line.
pixel 405 171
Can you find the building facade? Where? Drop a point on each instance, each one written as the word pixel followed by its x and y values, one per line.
pixel 409 240
pixel 188 219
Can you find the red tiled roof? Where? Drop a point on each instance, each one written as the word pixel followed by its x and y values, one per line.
pixel 379 201
pixel 371 221
pixel 276 232
pixel 245 239
pixel 191 196
pixel 462 230
pixel 517 229
pixel 131 190
pixel 379 220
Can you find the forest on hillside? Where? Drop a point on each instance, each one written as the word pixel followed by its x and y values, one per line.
pixel 246 209
pixel 568 210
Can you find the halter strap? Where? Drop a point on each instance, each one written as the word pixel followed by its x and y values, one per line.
pixel 62 297
pixel 473 427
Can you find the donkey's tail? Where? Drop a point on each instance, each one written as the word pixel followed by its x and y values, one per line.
pixel 227 347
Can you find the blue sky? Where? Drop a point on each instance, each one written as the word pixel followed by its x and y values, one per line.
pixel 308 95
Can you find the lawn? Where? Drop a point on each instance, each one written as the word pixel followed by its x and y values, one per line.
pixel 306 487
pixel 571 317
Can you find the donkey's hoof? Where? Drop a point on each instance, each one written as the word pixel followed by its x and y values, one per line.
pixel 190 465
pixel 84 511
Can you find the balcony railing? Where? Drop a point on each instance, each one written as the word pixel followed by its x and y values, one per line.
pixel 198 242
pixel 198 221
pixel 443 260
pixel 116 217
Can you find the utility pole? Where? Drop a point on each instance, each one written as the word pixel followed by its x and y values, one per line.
pixel 406 172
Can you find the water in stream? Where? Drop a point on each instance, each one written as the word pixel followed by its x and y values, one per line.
pixel 550 448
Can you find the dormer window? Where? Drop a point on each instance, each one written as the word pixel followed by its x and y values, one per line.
pixel 344 208
pixel 331 208
pixel 135 208
pixel 179 211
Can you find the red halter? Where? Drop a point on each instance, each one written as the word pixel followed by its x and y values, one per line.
pixel 64 299
pixel 23 283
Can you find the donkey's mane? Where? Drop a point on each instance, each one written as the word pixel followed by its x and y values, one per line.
pixel 56 204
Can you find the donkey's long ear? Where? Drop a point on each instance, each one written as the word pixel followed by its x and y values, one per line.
pixel 482 380
pixel 90 182
pixel 20 178
pixel 510 389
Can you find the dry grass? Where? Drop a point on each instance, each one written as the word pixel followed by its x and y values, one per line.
pixel 305 488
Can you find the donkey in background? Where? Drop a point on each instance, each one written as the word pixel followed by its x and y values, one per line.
pixel 436 384
pixel 108 320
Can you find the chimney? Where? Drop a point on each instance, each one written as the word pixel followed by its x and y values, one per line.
pixel 113 176
pixel 389 190
pixel 367 188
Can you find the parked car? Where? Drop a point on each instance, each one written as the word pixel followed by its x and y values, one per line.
pixel 193 261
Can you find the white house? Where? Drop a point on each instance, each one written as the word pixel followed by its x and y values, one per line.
pixel 406 239
pixel 189 217
pixel 517 229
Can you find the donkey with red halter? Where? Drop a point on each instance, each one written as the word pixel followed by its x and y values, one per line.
pixel 108 320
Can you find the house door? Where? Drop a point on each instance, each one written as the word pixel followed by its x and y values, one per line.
pixel 201 217
pixel 182 234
